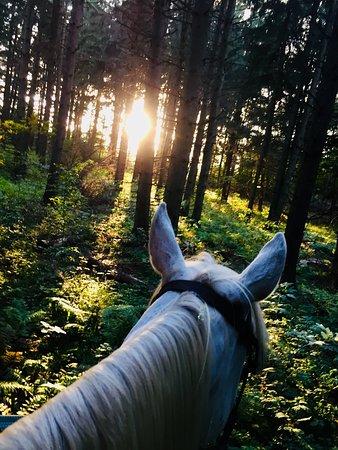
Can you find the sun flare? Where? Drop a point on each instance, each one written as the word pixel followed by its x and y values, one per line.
pixel 137 125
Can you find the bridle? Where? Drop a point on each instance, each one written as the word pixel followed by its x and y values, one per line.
pixel 238 314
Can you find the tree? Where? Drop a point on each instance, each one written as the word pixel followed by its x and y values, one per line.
pixel 334 268
pixel 151 101
pixel 297 122
pixel 277 76
pixel 187 115
pixel 68 75
pixel 315 140
pixel 54 41
pixel 208 78
pixel 214 111
pixel 232 145
pixel 174 88
pixel 11 40
pixel 122 156
pixel 20 155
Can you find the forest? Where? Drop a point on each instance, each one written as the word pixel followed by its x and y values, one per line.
pixel 224 109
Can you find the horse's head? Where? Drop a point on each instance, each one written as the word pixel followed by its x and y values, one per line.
pixel 256 282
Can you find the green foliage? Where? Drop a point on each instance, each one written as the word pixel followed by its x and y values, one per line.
pixel 74 279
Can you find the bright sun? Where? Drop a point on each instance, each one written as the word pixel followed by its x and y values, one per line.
pixel 137 125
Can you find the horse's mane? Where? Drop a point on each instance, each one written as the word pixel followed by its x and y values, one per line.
pixel 149 394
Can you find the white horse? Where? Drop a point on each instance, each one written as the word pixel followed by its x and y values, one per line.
pixel 173 382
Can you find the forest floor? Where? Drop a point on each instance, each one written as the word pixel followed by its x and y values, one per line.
pixel 74 279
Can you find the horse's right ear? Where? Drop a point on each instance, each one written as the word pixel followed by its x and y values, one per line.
pixel 165 254
pixel 263 274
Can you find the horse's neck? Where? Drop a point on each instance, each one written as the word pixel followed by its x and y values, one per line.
pixel 226 360
pixel 145 396
pixel 227 357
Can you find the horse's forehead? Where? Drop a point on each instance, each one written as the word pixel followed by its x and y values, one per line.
pixel 205 264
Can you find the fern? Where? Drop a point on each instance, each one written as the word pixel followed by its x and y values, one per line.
pixel 8 387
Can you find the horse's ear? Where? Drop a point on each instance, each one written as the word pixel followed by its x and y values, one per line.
pixel 262 276
pixel 165 254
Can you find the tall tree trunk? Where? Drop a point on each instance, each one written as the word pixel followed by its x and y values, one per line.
pixel 12 43
pixel 315 140
pixel 334 268
pixel 33 89
pixel 151 101
pixel 54 37
pixel 60 53
pixel 24 60
pixel 276 92
pixel 232 147
pixel 118 108
pixel 188 110
pixel 123 152
pixel 93 131
pixel 68 75
pixel 192 175
pixel 275 206
pixel 217 85
pixel 220 165
pixel 20 153
pixel 291 150
pixel 228 167
pixel 265 147
pixel 209 76
pixel 79 110
pixel 262 191
pixel 298 143
pixel 71 114
pixel 174 95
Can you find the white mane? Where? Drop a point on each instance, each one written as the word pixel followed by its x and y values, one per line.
pixel 148 395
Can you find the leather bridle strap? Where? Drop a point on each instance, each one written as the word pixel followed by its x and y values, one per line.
pixel 236 312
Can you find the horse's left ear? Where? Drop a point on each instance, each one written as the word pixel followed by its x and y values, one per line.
pixel 262 276
pixel 165 254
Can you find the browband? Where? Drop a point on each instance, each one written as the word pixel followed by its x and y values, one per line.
pixel 236 312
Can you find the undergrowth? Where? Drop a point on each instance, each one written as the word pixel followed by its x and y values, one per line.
pixel 74 279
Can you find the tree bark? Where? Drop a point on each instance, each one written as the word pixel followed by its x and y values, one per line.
pixel 275 210
pixel 118 107
pixel 174 95
pixel 209 75
pixel 123 152
pixel 93 131
pixel 79 110
pixel 20 152
pixel 192 175
pixel 12 43
pixel 24 60
pixel 151 102
pixel 315 141
pixel 33 89
pixel 292 144
pixel 214 110
pixel 68 76
pixel 265 147
pixel 228 167
pixel 334 268
pixel 54 37
pixel 276 92
pixel 60 53
pixel 188 110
